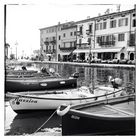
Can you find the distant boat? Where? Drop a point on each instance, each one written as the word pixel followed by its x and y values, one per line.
pixel 50 100
pixel 114 116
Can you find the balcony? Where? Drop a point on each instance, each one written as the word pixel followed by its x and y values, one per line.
pixel 131 43
pixel 67 48
pixel 107 43
pixel 82 46
pixel 53 42
pixel 79 33
pixel 50 51
pixel 46 43
pixel 89 32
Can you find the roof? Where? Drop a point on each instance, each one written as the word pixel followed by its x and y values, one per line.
pixel 105 15
pixel 91 19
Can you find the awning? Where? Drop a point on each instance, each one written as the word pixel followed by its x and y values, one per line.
pixel 131 49
pixel 98 50
pixel 65 53
pixel 103 50
pixel 81 51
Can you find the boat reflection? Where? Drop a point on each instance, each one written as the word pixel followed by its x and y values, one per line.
pixel 28 123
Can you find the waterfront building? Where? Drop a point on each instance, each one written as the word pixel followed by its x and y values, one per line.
pixel 67 42
pixel 105 38
pixel 48 37
pixel 85 39
pixel 58 41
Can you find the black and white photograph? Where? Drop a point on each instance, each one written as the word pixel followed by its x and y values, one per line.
pixel 69 68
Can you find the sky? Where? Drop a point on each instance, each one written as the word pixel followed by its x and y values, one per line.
pixel 25 19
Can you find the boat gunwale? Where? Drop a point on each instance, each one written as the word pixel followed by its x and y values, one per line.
pixel 74 110
pixel 51 98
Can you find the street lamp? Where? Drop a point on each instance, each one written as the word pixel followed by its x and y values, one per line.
pixel 16 44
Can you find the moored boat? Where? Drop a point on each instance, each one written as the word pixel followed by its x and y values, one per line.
pixel 115 116
pixel 50 100
pixel 35 83
pixel 31 81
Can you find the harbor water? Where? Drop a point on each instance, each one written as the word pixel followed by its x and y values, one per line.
pixel 27 124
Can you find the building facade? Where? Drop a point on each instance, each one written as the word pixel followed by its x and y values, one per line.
pixel 48 42
pixel 67 42
pixel 104 38
pixel 58 41
pixel 107 37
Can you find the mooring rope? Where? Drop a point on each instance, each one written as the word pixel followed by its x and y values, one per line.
pixel 45 122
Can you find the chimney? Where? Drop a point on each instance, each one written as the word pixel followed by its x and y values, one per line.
pixel 88 17
pixel 134 6
pixel 118 7
pixel 99 14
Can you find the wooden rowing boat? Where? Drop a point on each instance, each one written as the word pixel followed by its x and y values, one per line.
pixel 115 116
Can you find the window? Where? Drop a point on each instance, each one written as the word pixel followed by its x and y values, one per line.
pixel 104 25
pixel 97 26
pixel 71 33
pixel 90 28
pixel 134 15
pixel 123 22
pixel 70 44
pixel 81 30
pixel 101 26
pixel 64 35
pixel 89 41
pixel 120 37
pixel 134 22
pixel 132 39
pixel 53 37
pixel 80 41
pixel 75 43
pixel 75 33
pixel 113 24
pixel 59 37
pixel 98 39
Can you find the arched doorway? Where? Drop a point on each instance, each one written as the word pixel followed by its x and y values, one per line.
pixel 132 56
pixel 122 56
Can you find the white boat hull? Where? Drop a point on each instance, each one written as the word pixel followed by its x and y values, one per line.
pixel 29 102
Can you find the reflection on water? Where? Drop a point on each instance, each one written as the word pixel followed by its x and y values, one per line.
pixel 22 124
pixel 89 76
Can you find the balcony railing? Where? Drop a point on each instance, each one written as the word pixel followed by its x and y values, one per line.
pixel 67 48
pixel 131 43
pixel 82 46
pixel 51 41
pixel 107 43
pixel 88 32
pixel 46 43
pixel 78 33
pixel 50 51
